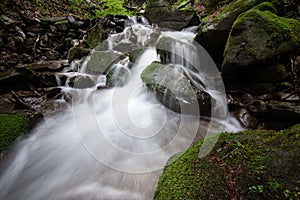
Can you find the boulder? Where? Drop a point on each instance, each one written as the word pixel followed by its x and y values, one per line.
pixel 214 30
pixel 101 61
pixel 165 47
pixel 256 164
pixel 173 89
pixel 77 53
pixel 95 36
pixel 82 82
pixel 160 12
pixel 257 40
pixel 117 76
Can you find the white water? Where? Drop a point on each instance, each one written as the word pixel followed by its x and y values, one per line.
pixel 109 144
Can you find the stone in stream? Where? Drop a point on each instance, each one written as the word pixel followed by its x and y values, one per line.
pixel 77 53
pixel 81 82
pixel 166 48
pixel 117 76
pixel 96 35
pixel 173 89
pixel 101 61
pixel 257 40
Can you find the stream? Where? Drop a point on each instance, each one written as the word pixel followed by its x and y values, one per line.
pixel 112 143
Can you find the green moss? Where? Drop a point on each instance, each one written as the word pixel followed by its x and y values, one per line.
pixel 249 164
pixel 11 127
pixel 266 6
pixel 264 34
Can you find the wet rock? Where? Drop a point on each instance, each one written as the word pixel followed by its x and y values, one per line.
pixel 124 47
pixel 246 119
pixel 47 79
pixel 215 30
pixel 51 93
pixel 159 12
pixel 257 37
pixel 77 53
pixel 82 82
pixel 50 66
pixel 101 61
pixel 135 54
pixel 173 89
pixel 96 35
pixel 117 76
pixel 165 49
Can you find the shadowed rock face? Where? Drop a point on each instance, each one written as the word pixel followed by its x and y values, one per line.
pixel 173 88
pixel 160 12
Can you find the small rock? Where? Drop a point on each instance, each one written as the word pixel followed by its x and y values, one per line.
pixel 82 82
pixel 77 53
pixel 248 98
pixel 246 119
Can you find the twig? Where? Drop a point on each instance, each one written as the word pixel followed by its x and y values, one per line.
pixel 21 101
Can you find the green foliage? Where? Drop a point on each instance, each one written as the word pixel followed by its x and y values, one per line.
pixel 11 127
pixel 251 165
pixel 112 7
pixel 82 8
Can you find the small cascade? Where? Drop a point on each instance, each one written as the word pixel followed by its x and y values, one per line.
pixel 113 141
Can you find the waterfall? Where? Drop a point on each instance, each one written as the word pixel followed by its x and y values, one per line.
pixel 110 143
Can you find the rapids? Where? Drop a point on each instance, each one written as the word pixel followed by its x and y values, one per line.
pixel 113 143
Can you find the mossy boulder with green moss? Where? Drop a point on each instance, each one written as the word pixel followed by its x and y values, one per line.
pixel 215 30
pixel 257 40
pixel 173 89
pixel 101 61
pixel 247 165
pixel 95 36
pixel 11 127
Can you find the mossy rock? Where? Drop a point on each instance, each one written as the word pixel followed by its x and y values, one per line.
pixel 81 82
pixel 11 127
pixel 95 36
pixel 101 61
pixel 215 30
pixel 247 165
pixel 173 89
pixel 256 39
pixel 117 76
pixel 77 53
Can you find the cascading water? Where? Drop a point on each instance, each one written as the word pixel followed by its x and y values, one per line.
pixel 110 143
